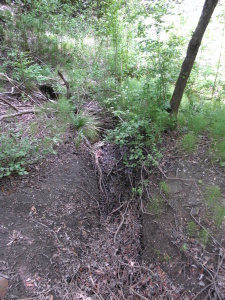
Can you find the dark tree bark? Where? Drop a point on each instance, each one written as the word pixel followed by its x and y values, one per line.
pixel 192 52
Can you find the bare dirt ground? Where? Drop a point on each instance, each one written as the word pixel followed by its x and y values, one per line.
pixel 72 229
pixel 58 243
pixel 193 250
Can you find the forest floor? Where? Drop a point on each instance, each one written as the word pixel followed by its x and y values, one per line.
pixel 71 228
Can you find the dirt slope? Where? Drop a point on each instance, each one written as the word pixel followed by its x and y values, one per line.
pixel 45 220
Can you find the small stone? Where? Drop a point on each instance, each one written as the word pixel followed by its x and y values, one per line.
pixel 195 211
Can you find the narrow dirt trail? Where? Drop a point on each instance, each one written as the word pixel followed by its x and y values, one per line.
pixel 61 237
pixel 46 220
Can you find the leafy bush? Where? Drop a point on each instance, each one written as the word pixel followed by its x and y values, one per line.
pixel 13 153
pixel 140 140
pixel 24 67
pixel 17 151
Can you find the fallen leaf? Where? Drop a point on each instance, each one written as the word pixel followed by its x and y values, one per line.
pixel 3 286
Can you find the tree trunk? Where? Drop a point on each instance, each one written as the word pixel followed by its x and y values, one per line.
pixel 192 52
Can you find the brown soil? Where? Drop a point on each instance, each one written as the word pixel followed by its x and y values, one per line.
pixel 168 239
pixel 46 219
pixel 71 229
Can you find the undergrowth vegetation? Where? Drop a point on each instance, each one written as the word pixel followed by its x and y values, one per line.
pixel 127 56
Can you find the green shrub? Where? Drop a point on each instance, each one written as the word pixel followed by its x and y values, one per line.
pixel 188 143
pixel 155 205
pixel 192 229
pixel 203 236
pixel 217 152
pixel 217 127
pixel 87 126
pixel 17 151
pixel 219 214
pixel 164 186
pixel 198 123
pixel 139 137
pixel 213 200
pixel 212 195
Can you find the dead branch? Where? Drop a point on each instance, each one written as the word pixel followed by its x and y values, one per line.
pixel 90 195
pixel 68 95
pixel 121 223
pixel 202 290
pixel 17 86
pixel 137 267
pixel 52 231
pixel 137 294
pixel 95 157
pixel 7 102
pixel 175 178
pixel 30 111
pixel 214 240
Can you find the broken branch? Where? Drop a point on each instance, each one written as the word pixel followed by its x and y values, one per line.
pixel 30 111
pixel 8 103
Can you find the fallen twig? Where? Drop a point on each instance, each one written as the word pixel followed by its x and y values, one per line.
pixel 214 240
pixel 121 223
pixel 17 86
pixel 90 195
pixel 137 294
pixel 52 231
pixel 202 290
pixel 10 104
pixel 175 178
pixel 32 111
pixel 136 267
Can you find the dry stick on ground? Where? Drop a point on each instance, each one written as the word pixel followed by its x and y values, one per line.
pixel 202 266
pixel 202 290
pixel 118 208
pixel 217 170
pixel 94 155
pixel 213 276
pixel 26 299
pixel 79 187
pixel 136 267
pixel 134 285
pixel 214 240
pixel 52 231
pixel 175 178
pixel 220 262
pixel 121 223
pixel 17 87
pixel 17 114
pixel 10 104
pixel 137 294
